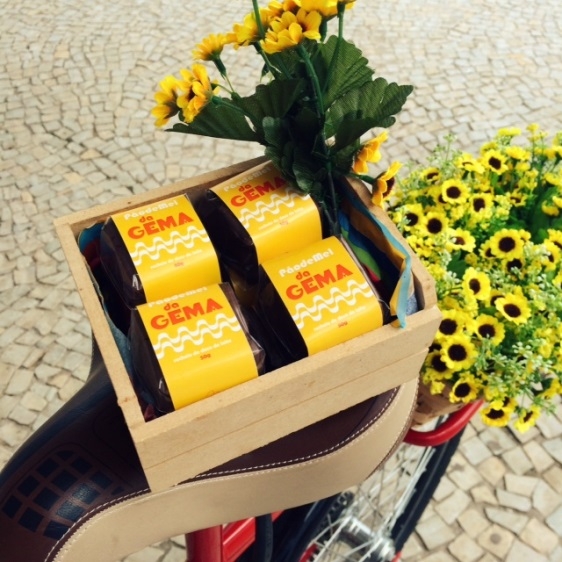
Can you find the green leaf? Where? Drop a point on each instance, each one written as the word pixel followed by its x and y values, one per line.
pixel 219 121
pixel 348 71
pixel 271 100
pixel 372 105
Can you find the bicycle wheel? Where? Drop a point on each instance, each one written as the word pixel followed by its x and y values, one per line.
pixel 371 522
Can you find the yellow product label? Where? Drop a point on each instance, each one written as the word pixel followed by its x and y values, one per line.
pixel 169 246
pixel 277 216
pixel 199 343
pixel 326 294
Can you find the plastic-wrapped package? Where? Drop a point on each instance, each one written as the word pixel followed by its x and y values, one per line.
pixel 158 250
pixel 193 345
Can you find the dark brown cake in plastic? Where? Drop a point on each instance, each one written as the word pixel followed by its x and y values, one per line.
pixel 158 250
pixel 192 346
pixel 327 286
pixel 257 216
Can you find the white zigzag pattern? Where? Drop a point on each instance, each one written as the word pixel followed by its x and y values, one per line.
pixel 197 336
pixel 170 246
pixel 320 304
pixel 262 209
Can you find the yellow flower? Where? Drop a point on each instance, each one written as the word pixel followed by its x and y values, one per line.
pixel 435 222
pixel 509 132
pixel 514 308
pixel 488 327
pixel 476 284
pixel 550 210
pixel 454 191
pixel 435 368
pixel 467 162
pixel 508 243
pixel 409 215
pixel 384 183
pixel 246 33
pixel 289 30
pixel 436 387
pixel 460 239
pixel 167 100
pixel 452 323
pixel 211 46
pixel 199 94
pixel 527 419
pixel 496 417
pixel 369 152
pixel 555 236
pixel 465 390
pixel 518 153
pixel 328 8
pixel 430 175
pixel 458 352
pixel 552 255
pixel 494 160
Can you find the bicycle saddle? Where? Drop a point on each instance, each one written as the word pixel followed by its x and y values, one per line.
pixel 75 490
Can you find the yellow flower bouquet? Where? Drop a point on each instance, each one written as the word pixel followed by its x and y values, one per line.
pixel 489 229
pixel 316 99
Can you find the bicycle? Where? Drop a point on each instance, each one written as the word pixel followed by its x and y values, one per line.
pixel 370 523
pixel 56 486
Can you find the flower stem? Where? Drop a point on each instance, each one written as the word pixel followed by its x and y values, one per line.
pixel 257 15
pixel 341 12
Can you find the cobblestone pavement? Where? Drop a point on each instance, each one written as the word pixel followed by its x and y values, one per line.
pixel 76 84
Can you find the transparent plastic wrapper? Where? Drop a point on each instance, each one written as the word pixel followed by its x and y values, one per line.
pixel 158 250
pixel 192 346
pixel 314 299
pixel 257 216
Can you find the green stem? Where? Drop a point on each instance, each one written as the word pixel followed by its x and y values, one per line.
pixel 257 15
pixel 332 212
pixel 319 98
pixel 341 12
pixel 275 73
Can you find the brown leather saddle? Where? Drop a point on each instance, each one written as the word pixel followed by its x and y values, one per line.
pixel 75 490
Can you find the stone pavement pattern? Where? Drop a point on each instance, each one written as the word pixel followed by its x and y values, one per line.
pixel 76 84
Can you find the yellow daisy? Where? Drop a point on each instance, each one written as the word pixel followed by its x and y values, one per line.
pixel 454 191
pixel 527 419
pixel 167 100
pixel 290 30
pixel 476 284
pixel 496 417
pixel 489 327
pixel 465 390
pixel 458 352
pixel 384 183
pixel 514 308
pixel 369 152
pixel 211 46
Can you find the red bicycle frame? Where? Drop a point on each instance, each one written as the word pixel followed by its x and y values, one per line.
pixel 225 543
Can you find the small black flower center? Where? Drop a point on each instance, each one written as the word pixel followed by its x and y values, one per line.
pixel 494 414
pixel 437 364
pixel 506 244
pixel 435 226
pixel 495 163
pixel 478 204
pixel 487 331
pixel 453 192
pixel 462 390
pixel 412 218
pixel 448 326
pixel 512 310
pixel 515 264
pixel 457 352
pixel 475 286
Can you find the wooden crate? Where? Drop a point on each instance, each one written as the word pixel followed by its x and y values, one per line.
pixel 208 433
